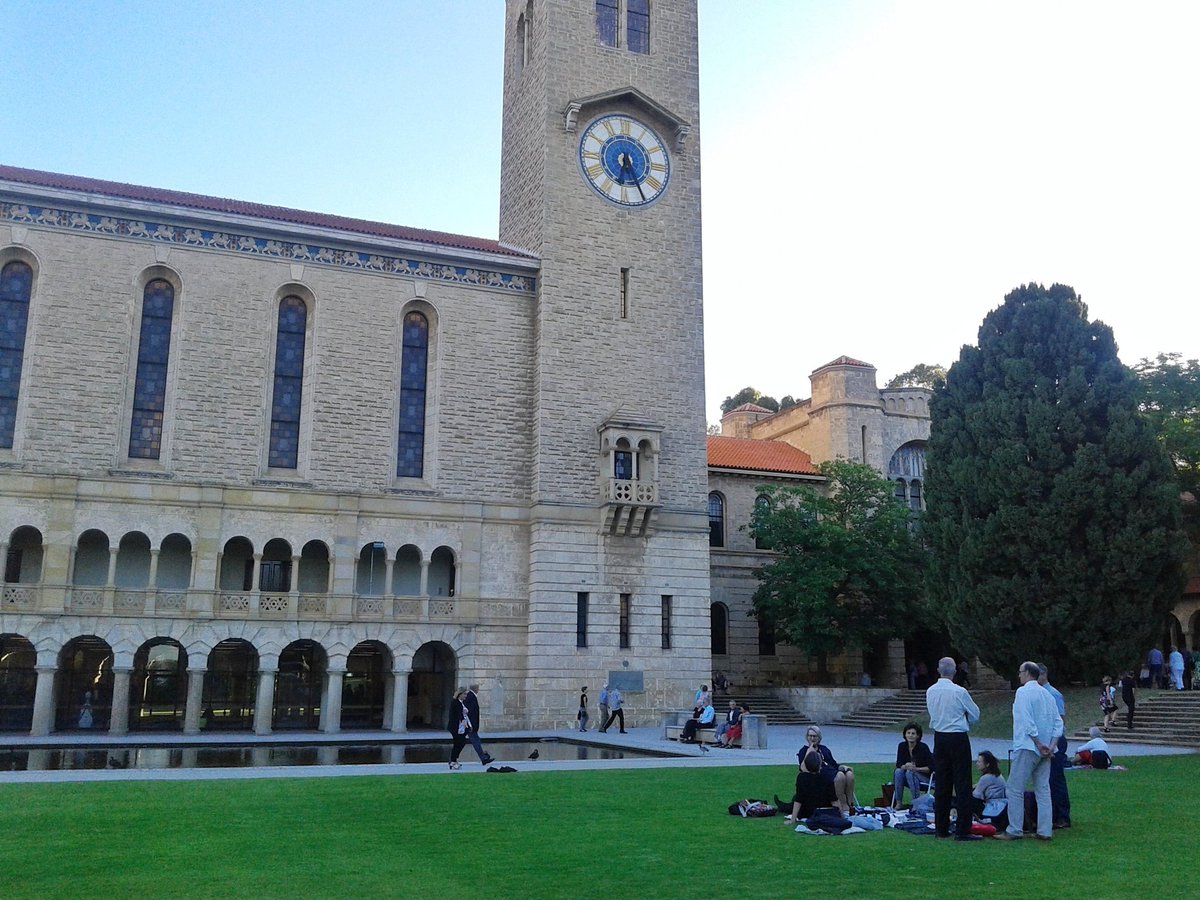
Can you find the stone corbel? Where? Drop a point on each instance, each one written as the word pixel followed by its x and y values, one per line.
pixel 681 133
pixel 571 114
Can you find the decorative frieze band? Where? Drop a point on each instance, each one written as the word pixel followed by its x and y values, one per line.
pixel 67 220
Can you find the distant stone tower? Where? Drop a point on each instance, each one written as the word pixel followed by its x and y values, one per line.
pixel 600 179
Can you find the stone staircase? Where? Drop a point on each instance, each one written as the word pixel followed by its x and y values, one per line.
pixel 891 712
pixel 1160 717
pixel 763 702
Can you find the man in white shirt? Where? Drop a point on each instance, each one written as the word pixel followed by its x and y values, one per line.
pixel 1037 727
pixel 952 712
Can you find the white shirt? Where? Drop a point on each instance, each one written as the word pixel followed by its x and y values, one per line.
pixel 1035 714
pixel 1094 744
pixel 950 707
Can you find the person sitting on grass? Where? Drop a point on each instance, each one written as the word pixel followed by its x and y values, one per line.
pixel 813 790
pixel 914 762
pixel 700 719
pixel 841 777
pixel 1094 753
pixel 989 800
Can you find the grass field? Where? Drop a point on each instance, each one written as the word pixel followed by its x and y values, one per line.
pixel 652 833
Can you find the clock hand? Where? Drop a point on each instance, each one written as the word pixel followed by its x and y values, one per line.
pixel 627 164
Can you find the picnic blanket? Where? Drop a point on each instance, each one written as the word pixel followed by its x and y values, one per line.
pixel 853 829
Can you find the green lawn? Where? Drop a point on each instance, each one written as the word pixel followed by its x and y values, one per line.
pixel 654 833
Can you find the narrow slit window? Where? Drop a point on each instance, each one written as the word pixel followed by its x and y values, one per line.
pixel 623 626
pixel 16 287
pixel 666 621
pixel 410 456
pixel 150 384
pixel 581 619
pixel 289 383
pixel 624 293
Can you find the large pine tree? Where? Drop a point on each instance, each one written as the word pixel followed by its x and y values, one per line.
pixel 1053 513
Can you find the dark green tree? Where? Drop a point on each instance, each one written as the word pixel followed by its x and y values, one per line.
pixel 749 395
pixel 1053 514
pixel 1171 401
pixel 920 375
pixel 849 569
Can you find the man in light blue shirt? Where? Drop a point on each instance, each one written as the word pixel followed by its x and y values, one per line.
pixel 1036 729
pixel 952 712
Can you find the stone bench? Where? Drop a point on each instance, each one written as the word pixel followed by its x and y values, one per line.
pixel 703 735
pixel 754 729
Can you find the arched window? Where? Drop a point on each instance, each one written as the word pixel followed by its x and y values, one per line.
pixel 716 520
pixel 624 461
pixel 410 455
pixel 289 383
pixel 16 285
pixel 150 385
pixel 719 616
pixel 607 17
pixel 638 26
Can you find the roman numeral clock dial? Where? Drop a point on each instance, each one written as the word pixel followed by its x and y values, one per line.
pixel 624 161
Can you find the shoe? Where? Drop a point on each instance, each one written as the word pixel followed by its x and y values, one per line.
pixel 941 835
pixel 787 818
pixel 1043 837
pixel 968 837
pixel 1006 836
pixel 602 730
pixel 1062 823
pixel 624 732
pixel 455 765
pixel 488 759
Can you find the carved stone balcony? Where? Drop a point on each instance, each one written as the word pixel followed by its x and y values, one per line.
pixel 629 506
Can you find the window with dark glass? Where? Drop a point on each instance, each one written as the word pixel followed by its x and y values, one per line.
pixel 623 465
pixel 762 504
pixel 606 22
pixel 666 621
pixel 581 619
pixel 638 26
pixel 16 285
pixel 716 520
pixel 289 383
pixel 410 456
pixel 150 384
pixel 766 638
pixel 719 628
pixel 623 624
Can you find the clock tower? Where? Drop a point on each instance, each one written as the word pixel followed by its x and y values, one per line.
pixel 600 180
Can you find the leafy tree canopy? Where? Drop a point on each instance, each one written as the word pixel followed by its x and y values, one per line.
pixel 749 395
pixel 1053 514
pixel 848 569
pixel 1170 399
pixel 920 375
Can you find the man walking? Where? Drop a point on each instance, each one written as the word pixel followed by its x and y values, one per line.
pixel 952 712
pixel 471 704
pixel 1128 697
pixel 614 702
pixel 1036 729
pixel 1060 799
pixel 1175 661
pixel 1154 661
pixel 603 708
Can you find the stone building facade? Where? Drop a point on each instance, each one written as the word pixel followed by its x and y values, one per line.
pixel 265 469
pixel 847 416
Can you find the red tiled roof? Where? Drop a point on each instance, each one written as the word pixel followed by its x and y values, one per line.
pixel 256 210
pixel 758 456
pixel 845 361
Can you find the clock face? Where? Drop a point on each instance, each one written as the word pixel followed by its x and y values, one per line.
pixel 624 161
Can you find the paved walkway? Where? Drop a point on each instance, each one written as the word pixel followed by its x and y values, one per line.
pixel 849 745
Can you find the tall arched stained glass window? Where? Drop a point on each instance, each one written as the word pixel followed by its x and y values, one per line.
pixel 150 386
pixel 16 284
pixel 289 384
pixel 410 455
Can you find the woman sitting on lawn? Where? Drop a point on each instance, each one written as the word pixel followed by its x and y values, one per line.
pixel 841 777
pixel 813 790
pixel 1094 753
pixel 914 761
pixel 990 797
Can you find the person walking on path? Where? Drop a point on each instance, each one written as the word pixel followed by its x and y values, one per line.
pixel 459 726
pixel 1060 799
pixel 952 712
pixel 581 717
pixel 1189 662
pixel 1108 702
pixel 1128 697
pixel 614 703
pixel 1176 664
pixel 471 703
pixel 1154 661
pixel 603 708
pixel 1036 729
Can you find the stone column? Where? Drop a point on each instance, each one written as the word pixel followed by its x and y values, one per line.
pixel 264 705
pixel 43 702
pixel 331 702
pixel 387 576
pixel 118 722
pixel 4 562
pixel 112 566
pixel 217 579
pixel 195 697
pixel 329 577
pixel 424 592
pixel 294 586
pixel 152 580
pixel 256 573
pixel 399 707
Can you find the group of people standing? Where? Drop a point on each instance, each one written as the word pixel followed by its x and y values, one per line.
pixel 1181 670
pixel 610 709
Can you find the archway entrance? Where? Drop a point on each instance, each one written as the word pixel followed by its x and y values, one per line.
pixel 302 666
pixel 368 668
pixel 84 685
pixel 18 682
pixel 431 686
pixel 158 688
pixel 230 686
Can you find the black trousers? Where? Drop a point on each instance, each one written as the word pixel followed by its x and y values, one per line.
pixel 615 714
pixel 1129 704
pixel 951 776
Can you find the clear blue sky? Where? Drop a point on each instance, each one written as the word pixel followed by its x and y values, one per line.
pixel 877 175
